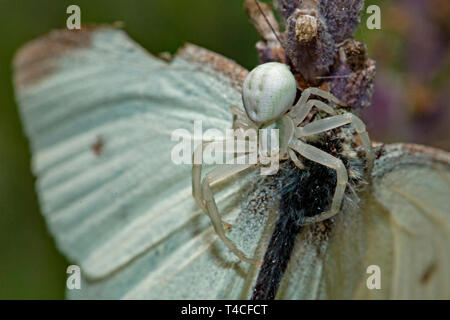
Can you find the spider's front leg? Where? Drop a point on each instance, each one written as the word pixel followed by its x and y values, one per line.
pixel 326 124
pixel 217 174
pixel 205 198
pixel 319 156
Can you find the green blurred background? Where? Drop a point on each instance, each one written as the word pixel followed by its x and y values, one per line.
pixel 410 101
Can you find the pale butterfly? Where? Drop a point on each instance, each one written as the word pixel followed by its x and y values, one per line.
pixel 99 111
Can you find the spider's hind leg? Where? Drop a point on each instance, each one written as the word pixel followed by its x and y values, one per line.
pixel 324 94
pixel 302 108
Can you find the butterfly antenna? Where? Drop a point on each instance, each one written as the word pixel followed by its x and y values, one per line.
pixel 268 22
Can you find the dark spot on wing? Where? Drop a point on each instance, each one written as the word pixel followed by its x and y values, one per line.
pixel 98 146
pixel 428 274
pixel 38 58
pixel 379 152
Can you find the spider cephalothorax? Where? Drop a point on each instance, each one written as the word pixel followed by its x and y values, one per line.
pixel 268 94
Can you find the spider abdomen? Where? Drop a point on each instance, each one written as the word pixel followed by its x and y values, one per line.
pixel 269 90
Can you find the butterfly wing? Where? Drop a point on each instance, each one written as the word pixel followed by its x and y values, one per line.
pixel 99 112
pixel 326 262
pixel 403 227
pixel 408 224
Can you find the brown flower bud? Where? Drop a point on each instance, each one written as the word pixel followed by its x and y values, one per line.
pixel 306 28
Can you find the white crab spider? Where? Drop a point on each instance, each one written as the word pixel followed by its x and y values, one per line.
pixel 268 94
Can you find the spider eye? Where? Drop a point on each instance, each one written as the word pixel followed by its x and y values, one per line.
pixel 268 91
